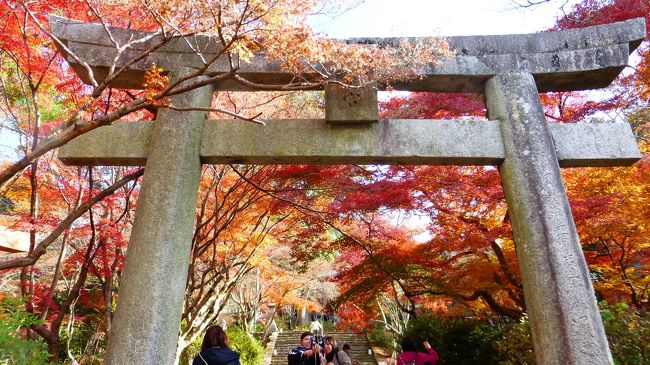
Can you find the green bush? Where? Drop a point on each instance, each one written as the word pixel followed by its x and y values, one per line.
pixel 514 346
pixel 250 350
pixel 282 322
pixel 465 341
pixel 328 326
pixel 15 350
pixel 191 351
pixel 457 341
pixel 627 332
pixel 472 341
pixel 379 337
pixel 85 343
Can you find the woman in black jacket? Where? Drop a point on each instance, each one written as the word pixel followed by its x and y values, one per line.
pixel 215 350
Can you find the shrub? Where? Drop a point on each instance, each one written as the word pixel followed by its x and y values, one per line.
pixel 457 341
pixel 86 344
pixel 379 337
pixel 250 350
pixel 472 341
pixel 514 346
pixel 14 349
pixel 190 352
pixel 627 332
pixel 463 341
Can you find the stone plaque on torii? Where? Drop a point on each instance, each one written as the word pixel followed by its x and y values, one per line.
pixel 510 70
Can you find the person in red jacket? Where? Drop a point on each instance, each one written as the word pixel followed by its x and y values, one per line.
pixel 410 356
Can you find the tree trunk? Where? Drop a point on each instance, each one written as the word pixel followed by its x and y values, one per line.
pixel 182 345
pixel 52 339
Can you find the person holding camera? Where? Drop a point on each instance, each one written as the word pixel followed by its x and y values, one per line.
pixel 307 353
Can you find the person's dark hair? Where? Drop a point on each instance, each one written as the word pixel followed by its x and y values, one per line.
pixel 409 344
pixel 214 337
pixel 346 347
pixel 331 340
pixel 304 334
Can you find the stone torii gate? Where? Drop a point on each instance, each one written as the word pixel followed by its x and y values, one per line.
pixel 510 70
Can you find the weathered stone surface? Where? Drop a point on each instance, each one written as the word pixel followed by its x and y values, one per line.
pixel 602 144
pixel 564 318
pixel 95 34
pixel 350 105
pixel 629 31
pixel 123 144
pixel 560 61
pixel 385 142
pixel 152 288
pixel 558 71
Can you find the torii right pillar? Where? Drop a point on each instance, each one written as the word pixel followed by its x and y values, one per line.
pixel 560 300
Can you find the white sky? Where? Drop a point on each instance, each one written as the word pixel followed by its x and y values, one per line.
pixel 420 18
pixel 403 18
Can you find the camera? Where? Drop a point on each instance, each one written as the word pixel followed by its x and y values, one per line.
pixel 317 340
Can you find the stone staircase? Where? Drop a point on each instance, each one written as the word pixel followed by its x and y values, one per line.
pixel 290 339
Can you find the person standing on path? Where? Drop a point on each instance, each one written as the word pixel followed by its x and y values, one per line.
pixel 215 350
pixel 410 355
pixel 316 327
pixel 342 357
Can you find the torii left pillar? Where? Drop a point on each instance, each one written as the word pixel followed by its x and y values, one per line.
pixel 145 327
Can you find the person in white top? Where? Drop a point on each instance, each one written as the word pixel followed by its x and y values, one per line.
pixel 316 327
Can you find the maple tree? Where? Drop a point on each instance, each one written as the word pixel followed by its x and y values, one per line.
pixel 471 254
pixel 375 257
pixel 234 221
pixel 433 106
pixel 611 209
pixel 90 250
pixel 49 197
pixel 610 205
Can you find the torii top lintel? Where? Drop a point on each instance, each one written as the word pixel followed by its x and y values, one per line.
pixel 567 60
